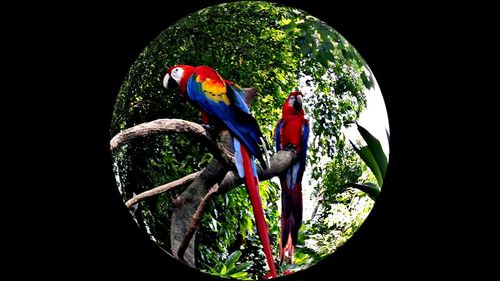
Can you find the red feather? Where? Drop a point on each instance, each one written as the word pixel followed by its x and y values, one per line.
pixel 252 184
pixel 247 132
pixel 291 135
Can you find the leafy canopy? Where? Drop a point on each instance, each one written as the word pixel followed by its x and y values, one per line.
pixel 275 49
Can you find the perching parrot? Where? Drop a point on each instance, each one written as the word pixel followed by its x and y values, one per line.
pixel 291 133
pixel 222 103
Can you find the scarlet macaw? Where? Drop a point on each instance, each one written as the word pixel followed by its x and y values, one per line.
pixel 292 133
pixel 222 102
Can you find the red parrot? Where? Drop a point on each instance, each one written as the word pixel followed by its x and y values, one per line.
pixel 291 133
pixel 222 103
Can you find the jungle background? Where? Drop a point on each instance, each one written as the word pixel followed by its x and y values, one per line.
pixel 275 49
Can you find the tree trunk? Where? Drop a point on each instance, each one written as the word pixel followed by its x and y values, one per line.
pixel 219 171
pixel 188 202
pixel 190 199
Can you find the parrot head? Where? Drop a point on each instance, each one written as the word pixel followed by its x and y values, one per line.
pixel 293 104
pixel 177 76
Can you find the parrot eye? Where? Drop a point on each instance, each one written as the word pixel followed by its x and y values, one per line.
pixel 177 74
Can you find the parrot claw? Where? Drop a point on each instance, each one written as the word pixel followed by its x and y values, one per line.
pixel 292 148
pixel 211 130
pixel 206 127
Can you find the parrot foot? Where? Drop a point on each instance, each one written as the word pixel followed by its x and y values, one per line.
pixel 211 130
pixel 206 127
pixel 292 148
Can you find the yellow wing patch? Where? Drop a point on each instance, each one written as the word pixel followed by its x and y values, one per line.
pixel 214 90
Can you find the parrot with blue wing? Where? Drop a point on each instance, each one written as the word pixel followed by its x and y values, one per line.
pixel 292 133
pixel 222 104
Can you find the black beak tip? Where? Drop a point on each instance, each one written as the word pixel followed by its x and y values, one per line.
pixel 297 106
pixel 171 83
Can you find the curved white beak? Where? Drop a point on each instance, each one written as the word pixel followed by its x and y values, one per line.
pixel 165 81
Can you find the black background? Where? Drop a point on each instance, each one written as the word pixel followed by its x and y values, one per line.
pixel 90 231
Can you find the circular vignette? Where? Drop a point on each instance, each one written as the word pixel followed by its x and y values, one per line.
pixel 275 50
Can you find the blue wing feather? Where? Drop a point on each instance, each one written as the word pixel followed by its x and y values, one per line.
pixel 238 157
pixel 277 135
pixel 242 118
pixel 304 147
pixel 238 98
pixel 236 116
pixel 304 144
pixel 294 174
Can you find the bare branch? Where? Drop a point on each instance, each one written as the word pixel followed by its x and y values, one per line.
pixel 189 200
pixel 195 222
pixel 157 127
pixel 251 93
pixel 192 201
pixel 278 163
pixel 161 189
pixel 170 126
pixel 185 227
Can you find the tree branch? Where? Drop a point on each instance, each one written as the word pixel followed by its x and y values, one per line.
pixel 195 222
pixel 279 162
pixel 218 174
pixel 170 126
pixel 182 215
pixel 250 94
pixel 161 189
pixel 188 202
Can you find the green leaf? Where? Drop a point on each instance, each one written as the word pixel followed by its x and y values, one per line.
pixel 244 266
pixel 323 60
pixel 212 270
pixel 285 21
pixel 367 156
pixel 305 49
pixel 231 261
pixel 271 40
pixel 369 188
pixel 223 270
pixel 329 55
pixel 239 274
pixel 375 148
pixel 346 54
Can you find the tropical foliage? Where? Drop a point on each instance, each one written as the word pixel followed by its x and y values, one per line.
pixel 275 49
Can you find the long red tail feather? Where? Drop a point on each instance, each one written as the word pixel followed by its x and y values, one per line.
pixel 291 219
pixel 252 185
